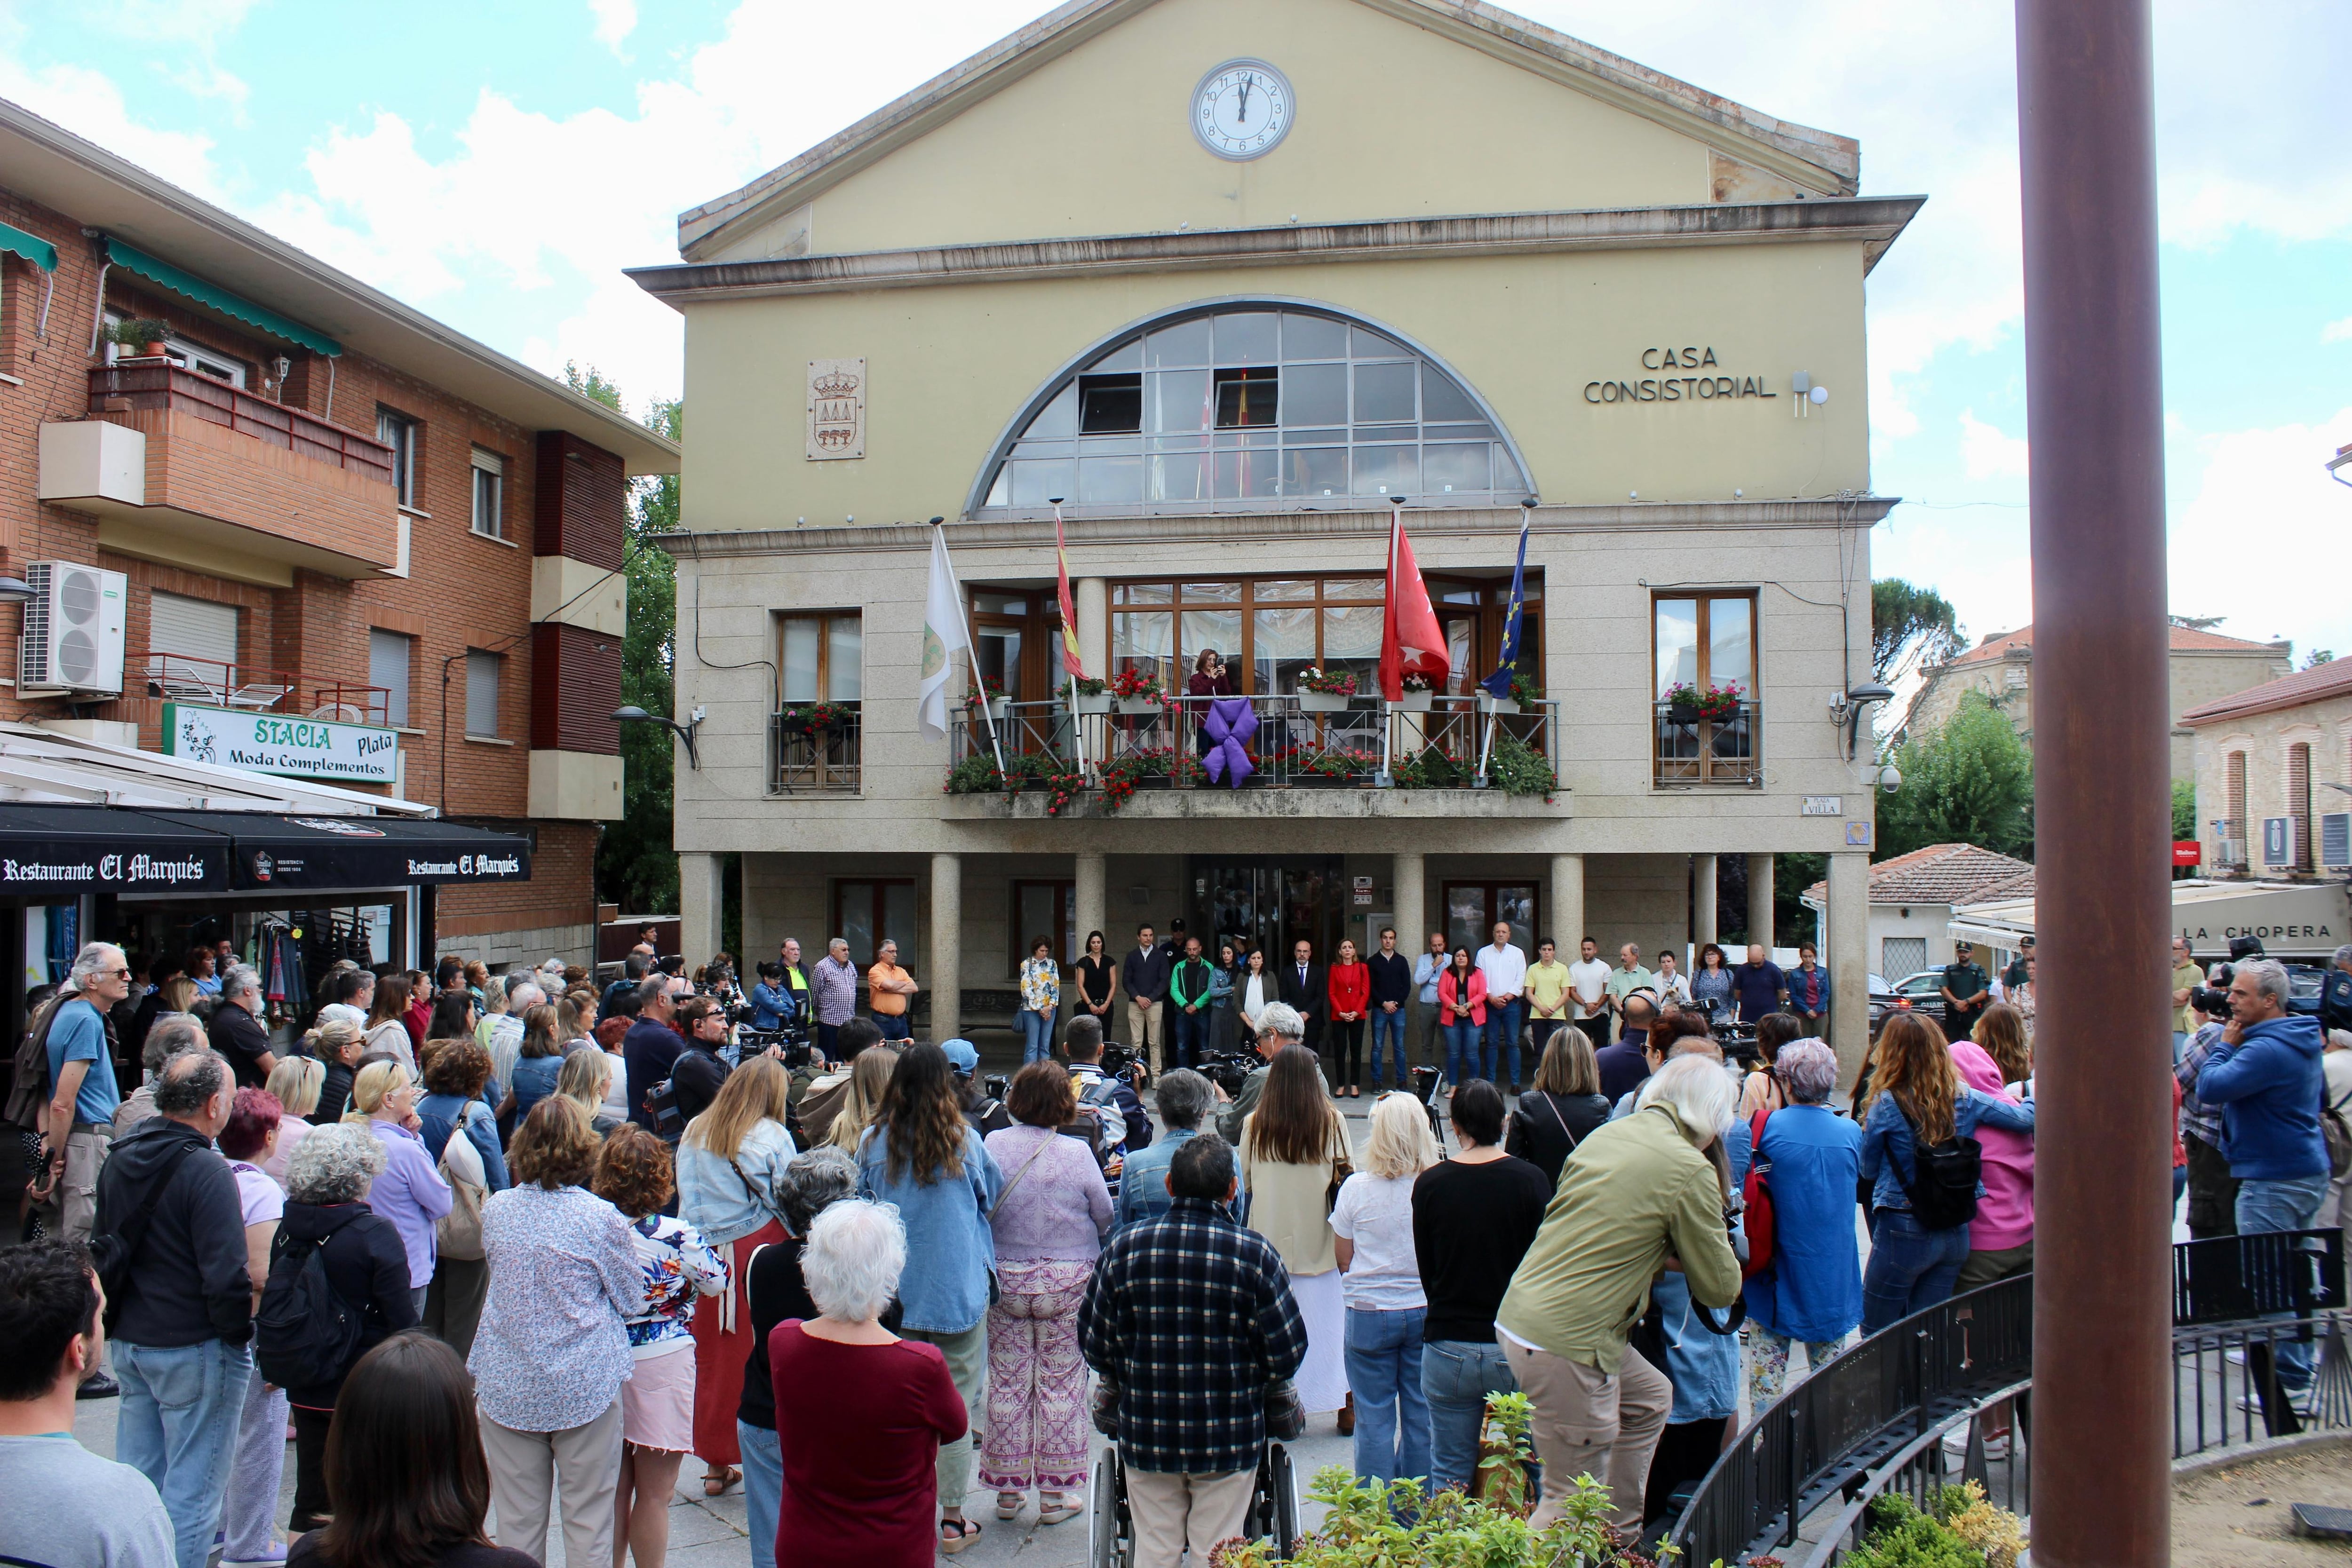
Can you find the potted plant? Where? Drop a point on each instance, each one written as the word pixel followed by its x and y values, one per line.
pixel 1430 767
pixel 1416 695
pixel 975 775
pixel 811 719
pixel 1523 693
pixel 989 694
pixel 1334 768
pixel 1682 703
pixel 1322 691
pixel 1137 690
pixel 1720 704
pixel 1094 695
pixel 143 335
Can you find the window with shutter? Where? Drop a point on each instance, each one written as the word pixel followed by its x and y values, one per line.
pixel 197 632
pixel 490 498
pixel 388 656
pixel 482 692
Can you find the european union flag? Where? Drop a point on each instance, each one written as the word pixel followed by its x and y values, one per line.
pixel 1498 685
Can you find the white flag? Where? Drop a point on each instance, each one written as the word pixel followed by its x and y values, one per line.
pixel 942 639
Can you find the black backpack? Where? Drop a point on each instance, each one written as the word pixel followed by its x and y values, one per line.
pixel 1942 1187
pixel 305 1333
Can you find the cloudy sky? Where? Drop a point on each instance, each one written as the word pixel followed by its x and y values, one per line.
pixel 498 164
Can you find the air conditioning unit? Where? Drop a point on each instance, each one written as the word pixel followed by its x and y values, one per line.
pixel 2233 852
pixel 72 639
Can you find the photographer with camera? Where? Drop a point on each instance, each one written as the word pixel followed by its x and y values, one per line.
pixel 2213 1190
pixel 1110 1098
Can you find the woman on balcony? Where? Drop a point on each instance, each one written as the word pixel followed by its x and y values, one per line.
pixel 1462 1004
pixel 1349 989
pixel 1208 680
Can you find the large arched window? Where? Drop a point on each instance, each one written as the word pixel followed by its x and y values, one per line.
pixel 1251 405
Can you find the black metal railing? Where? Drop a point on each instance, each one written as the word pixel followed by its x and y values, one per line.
pixel 817 759
pixel 1298 741
pixel 1871 1419
pixel 1689 747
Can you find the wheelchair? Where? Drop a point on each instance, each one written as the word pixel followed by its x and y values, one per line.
pixel 1110 1527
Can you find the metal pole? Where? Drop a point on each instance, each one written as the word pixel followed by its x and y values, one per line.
pixel 971 650
pixel 2094 399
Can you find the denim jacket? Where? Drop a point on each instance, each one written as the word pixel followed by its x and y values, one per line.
pixel 772 1006
pixel 1887 1146
pixel 726 1200
pixel 950 1250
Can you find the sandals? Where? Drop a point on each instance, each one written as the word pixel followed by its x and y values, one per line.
pixel 1057 1511
pixel 716 1485
pixel 1008 1504
pixel 955 1534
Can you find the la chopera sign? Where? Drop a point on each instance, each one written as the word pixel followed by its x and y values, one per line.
pixel 281 742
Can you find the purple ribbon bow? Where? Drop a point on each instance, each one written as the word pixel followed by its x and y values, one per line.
pixel 1229 725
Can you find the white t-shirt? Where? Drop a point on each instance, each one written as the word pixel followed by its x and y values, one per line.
pixel 1375 1215
pixel 102 1514
pixel 1590 978
pixel 1505 968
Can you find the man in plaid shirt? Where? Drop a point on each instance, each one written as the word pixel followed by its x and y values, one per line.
pixel 1192 1317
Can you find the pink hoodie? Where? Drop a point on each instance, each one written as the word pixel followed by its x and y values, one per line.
pixel 2005 1213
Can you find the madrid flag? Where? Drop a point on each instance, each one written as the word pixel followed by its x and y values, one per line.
pixel 1412 642
pixel 943 638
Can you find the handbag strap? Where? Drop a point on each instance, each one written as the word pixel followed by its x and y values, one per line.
pixel 1006 1190
pixel 1552 1105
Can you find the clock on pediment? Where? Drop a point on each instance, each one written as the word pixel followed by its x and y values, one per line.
pixel 1243 109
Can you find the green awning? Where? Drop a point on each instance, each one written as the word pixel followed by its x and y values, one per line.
pixel 32 247
pixel 218 298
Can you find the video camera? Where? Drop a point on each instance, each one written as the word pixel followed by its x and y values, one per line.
pixel 2213 1004
pixel 995 1086
pixel 795 1045
pixel 1227 1069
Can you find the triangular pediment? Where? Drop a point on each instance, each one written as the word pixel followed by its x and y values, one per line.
pixel 1081 123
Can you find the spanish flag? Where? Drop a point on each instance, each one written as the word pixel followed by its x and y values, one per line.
pixel 1071 663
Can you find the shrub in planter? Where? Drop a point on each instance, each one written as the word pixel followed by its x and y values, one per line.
pixel 1518 769
pixel 143 336
pixel 974 776
pixel 1960 1530
pixel 1430 767
pixel 1393 1526
pixel 811 719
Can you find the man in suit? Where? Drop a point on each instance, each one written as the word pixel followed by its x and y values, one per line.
pixel 1303 984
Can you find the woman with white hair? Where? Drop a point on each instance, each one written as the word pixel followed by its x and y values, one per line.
pixel 326 1211
pixel 860 1413
pixel 1379 1279
pixel 1637 1192
pixel 776 1291
pixel 296 1081
pixel 1811 1288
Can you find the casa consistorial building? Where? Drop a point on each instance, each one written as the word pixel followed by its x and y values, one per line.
pixel 1223 277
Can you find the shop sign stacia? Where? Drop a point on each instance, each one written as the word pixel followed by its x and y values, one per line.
pixel 281 742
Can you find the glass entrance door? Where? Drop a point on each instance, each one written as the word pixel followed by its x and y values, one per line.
pixel 1473 907
pixel 1268 904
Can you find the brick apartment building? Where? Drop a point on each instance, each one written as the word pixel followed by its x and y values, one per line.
pixel 323 505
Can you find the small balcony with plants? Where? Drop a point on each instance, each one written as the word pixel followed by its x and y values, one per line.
pixel 815 748
pixel 1706 735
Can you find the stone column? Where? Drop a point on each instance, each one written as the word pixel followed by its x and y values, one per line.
pixel 1848 960
pixel 1409 901
pixel 945 981
pixel 1566 916
pixel 701 906
pixel 1089 891
pixel 1760 902
pixel 1704 878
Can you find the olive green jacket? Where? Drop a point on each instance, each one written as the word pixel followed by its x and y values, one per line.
pixel 1634 1193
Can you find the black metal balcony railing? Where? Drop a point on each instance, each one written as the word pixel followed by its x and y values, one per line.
pixel 1299 742
pixel 1690 749
pixel 810 759
pixel 1868 1421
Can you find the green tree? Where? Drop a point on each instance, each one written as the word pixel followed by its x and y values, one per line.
pixel 1970 782
pixel 636 864
pixel 1908 623
pixel 2317 657
pixel 2184 809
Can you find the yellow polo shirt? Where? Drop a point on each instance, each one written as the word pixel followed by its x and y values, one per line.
pixel 1547 988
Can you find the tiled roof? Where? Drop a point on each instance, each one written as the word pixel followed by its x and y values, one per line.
pixel 1943 874
pixel 2185 639
pixel 2332 679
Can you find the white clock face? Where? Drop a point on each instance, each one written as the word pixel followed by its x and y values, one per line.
pixel 1243 108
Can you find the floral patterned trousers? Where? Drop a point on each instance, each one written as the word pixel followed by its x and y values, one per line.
pixel 1768 1364
pixel 1037 1432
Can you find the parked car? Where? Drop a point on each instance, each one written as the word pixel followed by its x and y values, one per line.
pixel 1884 1003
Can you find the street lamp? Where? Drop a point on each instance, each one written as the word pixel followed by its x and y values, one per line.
pixel 633 714
pixel 16 590
pixel 1845 708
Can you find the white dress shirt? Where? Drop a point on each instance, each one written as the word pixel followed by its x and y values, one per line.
pixel 1505 968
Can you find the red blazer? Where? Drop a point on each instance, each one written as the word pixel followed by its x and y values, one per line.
pixel 1446 998
pixel 1350 990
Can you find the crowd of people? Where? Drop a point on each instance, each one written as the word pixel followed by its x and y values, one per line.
pixel 517 1247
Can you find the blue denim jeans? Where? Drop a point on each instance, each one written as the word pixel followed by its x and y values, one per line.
pixel 1386 1028
pixel 1911 1268
pixel 2289 1205
pixel 1462 1052
pixel 177 1426
pixel 1456 1376
pixel 1036 1036
pixel 895 1025
pixel 1503 1038
pixel 1188 1034
pixel 1384 1374
pixel 763 1487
